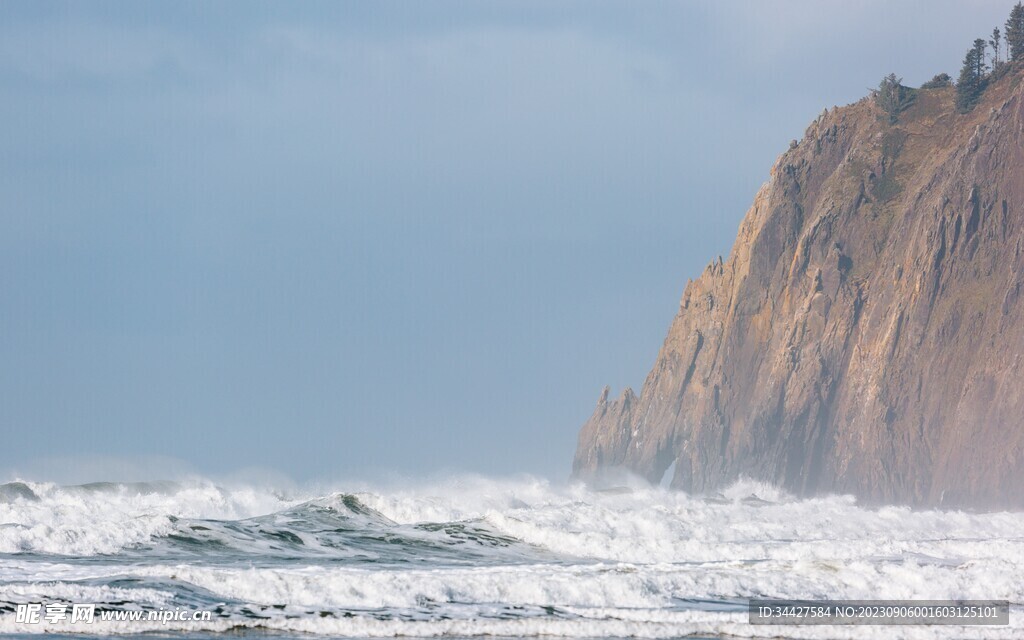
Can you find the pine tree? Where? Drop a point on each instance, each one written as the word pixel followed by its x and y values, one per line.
pixel 994 41
pixel 892 97
pixel 971 81
pixel 1015 32
pixel 887 96
pixel 979 50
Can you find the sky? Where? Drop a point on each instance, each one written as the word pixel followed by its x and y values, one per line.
pixel 354 239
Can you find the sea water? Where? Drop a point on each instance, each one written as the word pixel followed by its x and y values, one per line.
pixel 470 556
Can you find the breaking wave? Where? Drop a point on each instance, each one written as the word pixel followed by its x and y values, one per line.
pixel 473 556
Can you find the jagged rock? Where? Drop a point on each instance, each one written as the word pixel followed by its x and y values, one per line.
pixel 865 334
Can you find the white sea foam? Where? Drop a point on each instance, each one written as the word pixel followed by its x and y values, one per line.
pixel 87 520
pixel 473 556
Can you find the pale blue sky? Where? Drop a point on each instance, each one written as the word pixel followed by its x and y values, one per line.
pixel 344 239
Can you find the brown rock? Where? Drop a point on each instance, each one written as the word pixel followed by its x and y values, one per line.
pixel 865 334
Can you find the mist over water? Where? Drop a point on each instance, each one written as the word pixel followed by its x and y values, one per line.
pixel 471 556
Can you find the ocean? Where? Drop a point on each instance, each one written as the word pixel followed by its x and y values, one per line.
pixel 471 556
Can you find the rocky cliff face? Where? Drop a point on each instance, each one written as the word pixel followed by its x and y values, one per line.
pixel 866 333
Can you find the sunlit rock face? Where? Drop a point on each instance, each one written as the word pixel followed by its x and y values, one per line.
pixel 865 334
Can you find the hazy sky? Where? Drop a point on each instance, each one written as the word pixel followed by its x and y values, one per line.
pixel 350 238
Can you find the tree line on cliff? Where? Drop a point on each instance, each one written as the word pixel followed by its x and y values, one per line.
pixel 980 67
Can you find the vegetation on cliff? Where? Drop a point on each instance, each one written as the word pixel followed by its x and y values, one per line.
pixel 983 62
pixel 979 68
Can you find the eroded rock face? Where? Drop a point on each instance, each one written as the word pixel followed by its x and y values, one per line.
pixel 866 333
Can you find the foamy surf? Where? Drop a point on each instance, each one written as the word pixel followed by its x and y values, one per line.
pixel 474 556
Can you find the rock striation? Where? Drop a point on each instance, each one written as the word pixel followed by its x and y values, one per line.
pixel 865 334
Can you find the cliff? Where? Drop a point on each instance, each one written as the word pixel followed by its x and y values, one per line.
pixel 865 334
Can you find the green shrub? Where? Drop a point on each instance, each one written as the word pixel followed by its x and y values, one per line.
pixel 938 82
